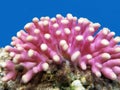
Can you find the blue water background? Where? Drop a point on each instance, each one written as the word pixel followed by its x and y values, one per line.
pixel 14 14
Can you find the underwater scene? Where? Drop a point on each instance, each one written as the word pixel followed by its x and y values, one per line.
pixel 59 45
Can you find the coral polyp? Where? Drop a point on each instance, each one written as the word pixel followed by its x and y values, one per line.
pixel 54 40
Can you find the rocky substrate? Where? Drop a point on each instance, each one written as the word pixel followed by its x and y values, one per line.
pixel 58 77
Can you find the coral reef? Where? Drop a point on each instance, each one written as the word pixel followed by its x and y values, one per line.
pixel 70 78
pixel 53 41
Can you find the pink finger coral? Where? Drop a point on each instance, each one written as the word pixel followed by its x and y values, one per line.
pixel 48 41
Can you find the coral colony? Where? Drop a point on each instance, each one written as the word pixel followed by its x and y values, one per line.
pixel 48 41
